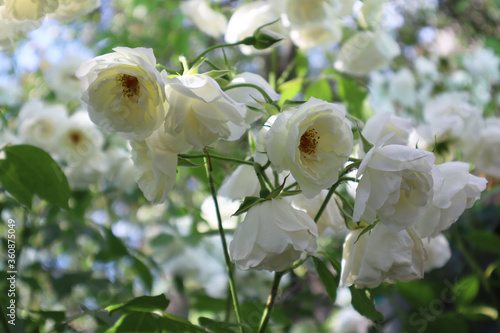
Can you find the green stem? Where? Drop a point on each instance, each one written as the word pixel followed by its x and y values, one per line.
pixel 211 64
pixel 266 315
pixel 214 48
pixel 249 85
pixel 229 267
pixel 217 157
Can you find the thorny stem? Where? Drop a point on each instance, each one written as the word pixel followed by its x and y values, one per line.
pixel 229 267
pixel 266 315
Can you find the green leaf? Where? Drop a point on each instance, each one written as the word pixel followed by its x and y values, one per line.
pixel 466 290
pixel 217 73
pixel 290 89
pixel 320 89
pixel 140 322
pixel 478 312
pixel 352 95
pixel 142 304
pixel 330 281
pixel 28 170
pixel 367 229
pixel 485 241
pixel 301 65
pixel 219 326
pixel 363 302
pixel 187 163
pixel 171 324
pixel 277 190
pixel 248 203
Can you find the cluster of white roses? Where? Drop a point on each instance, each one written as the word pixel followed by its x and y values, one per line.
pixel 72 140
pixel 402 196
pixel 21 16
pixel 306 24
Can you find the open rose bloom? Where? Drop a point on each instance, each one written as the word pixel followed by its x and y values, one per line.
pixel 124 92
pixel 313 141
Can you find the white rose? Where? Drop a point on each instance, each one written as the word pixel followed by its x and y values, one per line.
pixel 155 161
pixel 426 69
pixel 124 92
pixel 251 96
pixel 451 118
pixel 69 10
pixel 382 124
pixel 486 152
pixel 10 28
pixel 313 141
pixel 313 22
pixel 205 18
pixel 29 9
pixel 402 88
pixel 438 252
pixel 396 185
pixel 39 124
pixel 272 236
pixel 348 320
pixel 201 112
pixel 456 190
pixel 331 216
pixel 382 255
pixel 365 52
pixel 483 64
pixel 249 17
pixel 88 171
pixel 62 80
pixel 78 139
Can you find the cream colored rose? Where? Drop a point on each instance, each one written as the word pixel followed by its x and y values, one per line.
pixel 205 18
pixel 396 185
pixel 313 141
pixel 382 124
pixel 365 52
pixel 71 9
pixel 124 92
pixel 382 255
pixel 62 80
pixel 272 236
pixel 438 252
pixel 32 10
pixel 11 28
pixel 485 153
pixel 201 112
pixel 39 124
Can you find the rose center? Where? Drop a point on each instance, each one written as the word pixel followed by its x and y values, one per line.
pixel 75 137
pixel 309 142
pixel 130 85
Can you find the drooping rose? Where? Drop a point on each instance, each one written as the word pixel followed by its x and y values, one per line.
pixel 381 255
pixel 124 92
pixel 456 191
pixel 272 236
pixel 396 185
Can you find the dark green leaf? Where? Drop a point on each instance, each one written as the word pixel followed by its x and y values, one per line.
pixel 28 170
pixel 142 304
pixel 319 89
pixel 172 324
pixel 248 203
pixel 484 240
pixel 330 281
pixel 363 302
